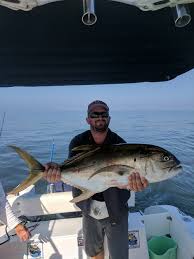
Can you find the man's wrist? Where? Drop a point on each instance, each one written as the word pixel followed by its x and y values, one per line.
pixel 19 226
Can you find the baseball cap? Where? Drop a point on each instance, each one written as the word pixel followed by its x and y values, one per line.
pixel 97 103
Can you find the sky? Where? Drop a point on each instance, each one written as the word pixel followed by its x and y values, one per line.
pixel 176 94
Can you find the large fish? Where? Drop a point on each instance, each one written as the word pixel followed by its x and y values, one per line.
pixel 95 169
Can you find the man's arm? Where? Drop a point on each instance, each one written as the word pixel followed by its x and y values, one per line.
pixel 8 217
pixel 135 183
pixel 52 171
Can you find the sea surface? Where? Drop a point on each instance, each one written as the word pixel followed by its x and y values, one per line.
pixel 172 130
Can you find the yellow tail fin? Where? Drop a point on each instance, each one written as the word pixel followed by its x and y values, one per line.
pixel 36 170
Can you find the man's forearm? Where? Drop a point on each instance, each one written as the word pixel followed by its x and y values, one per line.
pixel 12 220
pixel 7 216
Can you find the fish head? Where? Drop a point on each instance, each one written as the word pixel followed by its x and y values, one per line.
pixel 162 165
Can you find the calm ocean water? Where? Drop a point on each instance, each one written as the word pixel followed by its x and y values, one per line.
pixel 173 130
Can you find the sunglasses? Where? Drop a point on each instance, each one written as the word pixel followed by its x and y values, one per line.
pixel 95 115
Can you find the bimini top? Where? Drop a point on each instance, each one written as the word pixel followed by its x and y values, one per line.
pixel 48 42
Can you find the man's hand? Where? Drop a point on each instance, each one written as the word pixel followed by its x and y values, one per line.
pixel 136 183
pixel 52 172
pixel 22 232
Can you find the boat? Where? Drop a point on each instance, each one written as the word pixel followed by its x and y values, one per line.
pixel 61 237
pixel 46 42
pixel 49 42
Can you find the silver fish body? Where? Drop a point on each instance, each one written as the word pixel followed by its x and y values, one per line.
pixel 95 169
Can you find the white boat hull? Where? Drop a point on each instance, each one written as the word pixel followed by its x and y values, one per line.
pixel 62 238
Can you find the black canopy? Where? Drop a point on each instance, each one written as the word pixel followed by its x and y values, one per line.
pixel 51 46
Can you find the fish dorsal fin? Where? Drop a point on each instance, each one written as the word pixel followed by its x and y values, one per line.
pixel 79 157
pixel 84 148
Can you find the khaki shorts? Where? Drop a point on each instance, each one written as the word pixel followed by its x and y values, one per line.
pixel 117 236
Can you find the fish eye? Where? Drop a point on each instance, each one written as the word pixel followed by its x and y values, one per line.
pixel 121 172
pixel 166 158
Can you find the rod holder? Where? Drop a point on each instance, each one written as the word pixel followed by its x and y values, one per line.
pixel 89 17
pixel 181 15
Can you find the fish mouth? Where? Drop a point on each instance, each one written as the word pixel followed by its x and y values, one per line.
pixel 176 168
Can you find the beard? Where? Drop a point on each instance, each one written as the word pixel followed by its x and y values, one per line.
pixel 100 126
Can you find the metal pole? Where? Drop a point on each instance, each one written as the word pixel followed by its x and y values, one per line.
pixel 181 15
pixel 89 17
pixel 2 124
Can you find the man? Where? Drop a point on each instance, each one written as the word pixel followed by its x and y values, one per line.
pixel 106 212
pixel 8 218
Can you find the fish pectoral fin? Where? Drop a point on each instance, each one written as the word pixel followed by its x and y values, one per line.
pixel 31 179
pixel 119 169
pixel 85 195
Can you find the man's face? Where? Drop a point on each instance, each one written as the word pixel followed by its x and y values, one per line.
pixel 98 119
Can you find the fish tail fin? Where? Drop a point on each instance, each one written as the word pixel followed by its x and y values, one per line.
pixel 36 170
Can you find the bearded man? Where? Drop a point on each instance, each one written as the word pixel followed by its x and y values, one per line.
pixel 105 212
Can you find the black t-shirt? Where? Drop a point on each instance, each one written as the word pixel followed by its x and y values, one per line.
pixel 86 138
